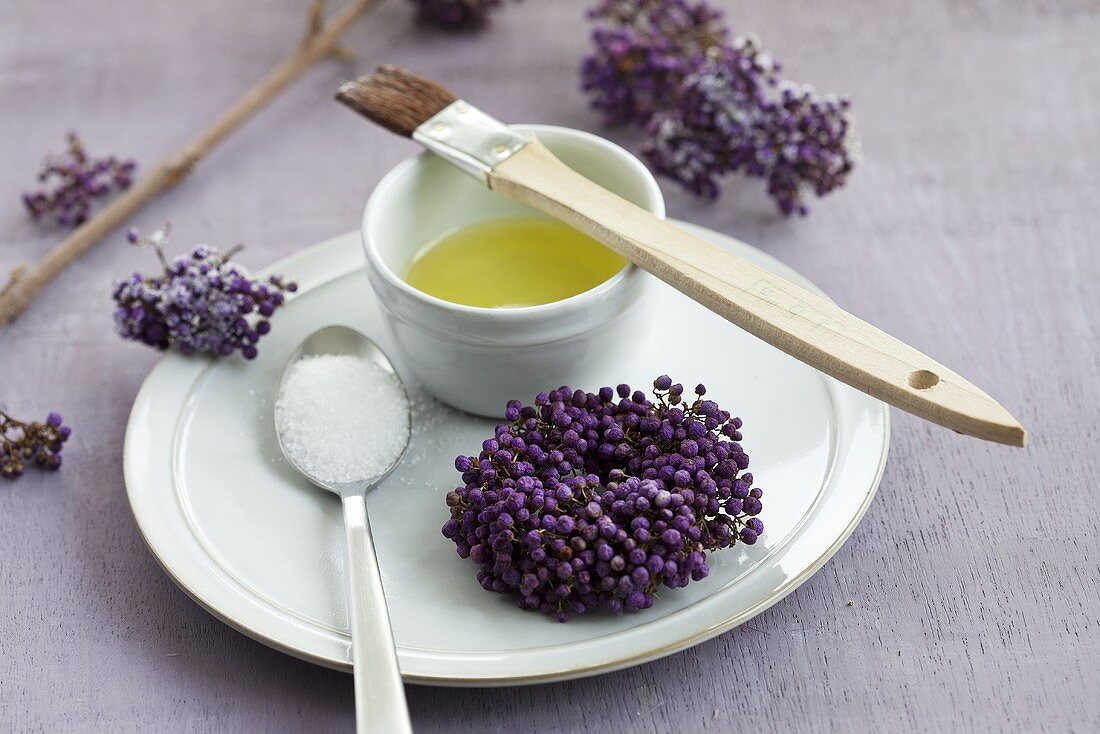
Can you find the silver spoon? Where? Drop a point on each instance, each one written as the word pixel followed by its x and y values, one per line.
pixel 379 693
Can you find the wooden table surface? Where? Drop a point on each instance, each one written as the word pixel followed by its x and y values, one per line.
pixel 971 231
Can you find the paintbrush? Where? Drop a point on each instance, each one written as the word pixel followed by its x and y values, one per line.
pixel 802 324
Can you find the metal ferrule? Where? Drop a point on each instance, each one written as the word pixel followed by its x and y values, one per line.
pixel 470 139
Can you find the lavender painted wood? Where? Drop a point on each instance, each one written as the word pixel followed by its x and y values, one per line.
pixel 970 232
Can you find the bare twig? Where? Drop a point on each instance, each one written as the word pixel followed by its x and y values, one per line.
pixel 320 41
pixel 316 19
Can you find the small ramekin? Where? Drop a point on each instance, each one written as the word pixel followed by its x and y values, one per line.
pixel 477 359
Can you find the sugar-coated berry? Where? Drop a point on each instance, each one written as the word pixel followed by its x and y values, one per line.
pixel 203 303
pixel 713 105
pixel 732 115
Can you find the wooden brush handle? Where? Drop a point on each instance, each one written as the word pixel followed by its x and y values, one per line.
pixel 802 324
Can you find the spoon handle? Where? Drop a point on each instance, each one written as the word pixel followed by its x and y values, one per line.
pixel 379 693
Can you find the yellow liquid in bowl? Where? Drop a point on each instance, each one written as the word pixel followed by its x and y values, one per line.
pixel 510 263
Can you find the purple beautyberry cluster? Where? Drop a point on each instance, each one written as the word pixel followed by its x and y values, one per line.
pixel 643 52
pixel 24 442
pixel 203 303
pixel 590 500
pixel 73 181
pixel 714 106
pixel 797 143
pixel 456 14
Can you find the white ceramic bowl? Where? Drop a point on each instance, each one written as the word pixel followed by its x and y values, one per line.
pixel 477 359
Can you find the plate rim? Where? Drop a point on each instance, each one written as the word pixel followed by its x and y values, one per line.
pixel 788 585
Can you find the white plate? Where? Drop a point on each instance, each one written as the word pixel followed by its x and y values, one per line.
pixel 261 549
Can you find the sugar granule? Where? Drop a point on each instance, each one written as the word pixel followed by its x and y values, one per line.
pixel 342 418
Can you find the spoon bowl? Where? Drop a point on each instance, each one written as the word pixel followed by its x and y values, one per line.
pixel 343 341
pixel 380 695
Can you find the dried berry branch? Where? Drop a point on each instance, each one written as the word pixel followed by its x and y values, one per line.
pixel 320 41
pixel 73 180
pixel 21 443
pixel 714 105
pixel 202 302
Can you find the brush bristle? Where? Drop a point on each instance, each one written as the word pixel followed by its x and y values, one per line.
pixel 395 98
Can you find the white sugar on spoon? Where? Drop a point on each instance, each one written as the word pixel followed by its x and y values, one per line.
pixel 342 420
pixel 342 417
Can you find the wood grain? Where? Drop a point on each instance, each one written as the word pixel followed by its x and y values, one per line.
pixel 800 323
pixel 970 232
